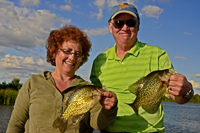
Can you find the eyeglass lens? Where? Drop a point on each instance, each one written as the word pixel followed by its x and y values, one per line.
pixel 77 55
pixel 129 23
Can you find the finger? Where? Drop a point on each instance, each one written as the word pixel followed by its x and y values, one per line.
pixel 175 90
pixel 108 94
pixel 108 100
pixel 177 77
pixel 170 87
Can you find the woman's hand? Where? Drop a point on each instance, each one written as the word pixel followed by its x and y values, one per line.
pixel 108 100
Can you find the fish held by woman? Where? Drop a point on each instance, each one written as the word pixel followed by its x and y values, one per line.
pixel 150 89
pixel 78 102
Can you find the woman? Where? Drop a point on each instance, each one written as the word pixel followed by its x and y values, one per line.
pixel 39 101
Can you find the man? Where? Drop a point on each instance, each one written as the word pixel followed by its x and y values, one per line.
pixel 125 63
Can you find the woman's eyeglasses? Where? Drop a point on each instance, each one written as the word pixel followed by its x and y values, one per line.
pixel 129 23
pixel 78 56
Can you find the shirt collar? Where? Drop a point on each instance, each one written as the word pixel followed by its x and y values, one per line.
pixel 78 80
pixel 135 49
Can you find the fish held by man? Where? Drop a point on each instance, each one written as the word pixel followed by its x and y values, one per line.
pixel 150 89
pixel 78 102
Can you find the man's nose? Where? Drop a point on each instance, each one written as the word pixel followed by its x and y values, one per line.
pixel 125 27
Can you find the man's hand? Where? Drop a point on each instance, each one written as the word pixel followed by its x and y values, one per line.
pixel 178 86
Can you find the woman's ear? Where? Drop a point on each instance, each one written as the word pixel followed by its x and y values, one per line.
pixel 54 56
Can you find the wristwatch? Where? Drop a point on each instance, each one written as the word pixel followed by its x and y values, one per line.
pixel 189 94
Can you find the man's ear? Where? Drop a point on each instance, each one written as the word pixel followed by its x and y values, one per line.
pixel 138 26
pixel 110 26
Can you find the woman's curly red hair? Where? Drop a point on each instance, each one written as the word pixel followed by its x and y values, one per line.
pixel 58 37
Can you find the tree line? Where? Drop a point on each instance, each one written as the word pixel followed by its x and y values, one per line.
pixel 9 91
pixel 13 85
pixel 194 99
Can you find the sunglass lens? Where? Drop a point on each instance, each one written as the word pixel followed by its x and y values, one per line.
pixel 119 24
pixel 131 23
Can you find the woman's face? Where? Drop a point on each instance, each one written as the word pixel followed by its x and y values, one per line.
pixel 68 57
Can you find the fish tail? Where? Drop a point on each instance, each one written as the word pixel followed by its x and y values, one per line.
pixel 60 123
pixel 134 107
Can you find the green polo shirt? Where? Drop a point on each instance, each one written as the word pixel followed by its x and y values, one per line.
pixel 109 70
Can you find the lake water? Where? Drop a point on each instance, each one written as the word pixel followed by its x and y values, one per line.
pixel 5 112
pixel 178 118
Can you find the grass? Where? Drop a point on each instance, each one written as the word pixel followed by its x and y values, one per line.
pixel 8 96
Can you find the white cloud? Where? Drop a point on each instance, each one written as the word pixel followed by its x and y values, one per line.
pixel 197 75
pixel 29 2
pixel 22 67
pixel 65 8
pixel 195 84
pixel 28 60
pixel 180 57
pixel 152 11
pixel 99 15
pixel 22 27
pixel 2 51
pixel 40 62
pixel 186 33
pixel 99 31
pixel 53 6
pixel 131 1
pixel 99 3
pixel 111 3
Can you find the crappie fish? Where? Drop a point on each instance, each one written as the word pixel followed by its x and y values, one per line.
pixel 150 90
pixel 78 102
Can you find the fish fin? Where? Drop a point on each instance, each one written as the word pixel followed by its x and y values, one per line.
pixel 167 95
pixel 62 127
pixel 76 119
pixel 60 123
pixel 105 88
pixel 56 123
pixel 135 87
pixel 172 70
pixel 134 108
pixel 152 108
pixel 67 96
pixel 163 79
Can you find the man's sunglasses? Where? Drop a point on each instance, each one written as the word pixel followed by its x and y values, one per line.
pixel 129 23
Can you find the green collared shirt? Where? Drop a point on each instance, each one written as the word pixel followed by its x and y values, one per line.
pixel 39 103
pixel 109 70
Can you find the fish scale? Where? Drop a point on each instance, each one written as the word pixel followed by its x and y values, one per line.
pixel 78 103
pixel 150 89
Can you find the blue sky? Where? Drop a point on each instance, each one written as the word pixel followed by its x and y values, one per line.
pixel 25 25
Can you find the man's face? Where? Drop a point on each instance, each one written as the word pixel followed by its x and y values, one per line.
pixel 124 34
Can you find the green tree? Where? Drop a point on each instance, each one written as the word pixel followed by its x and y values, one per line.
pixel 3 85
pixel 15 84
